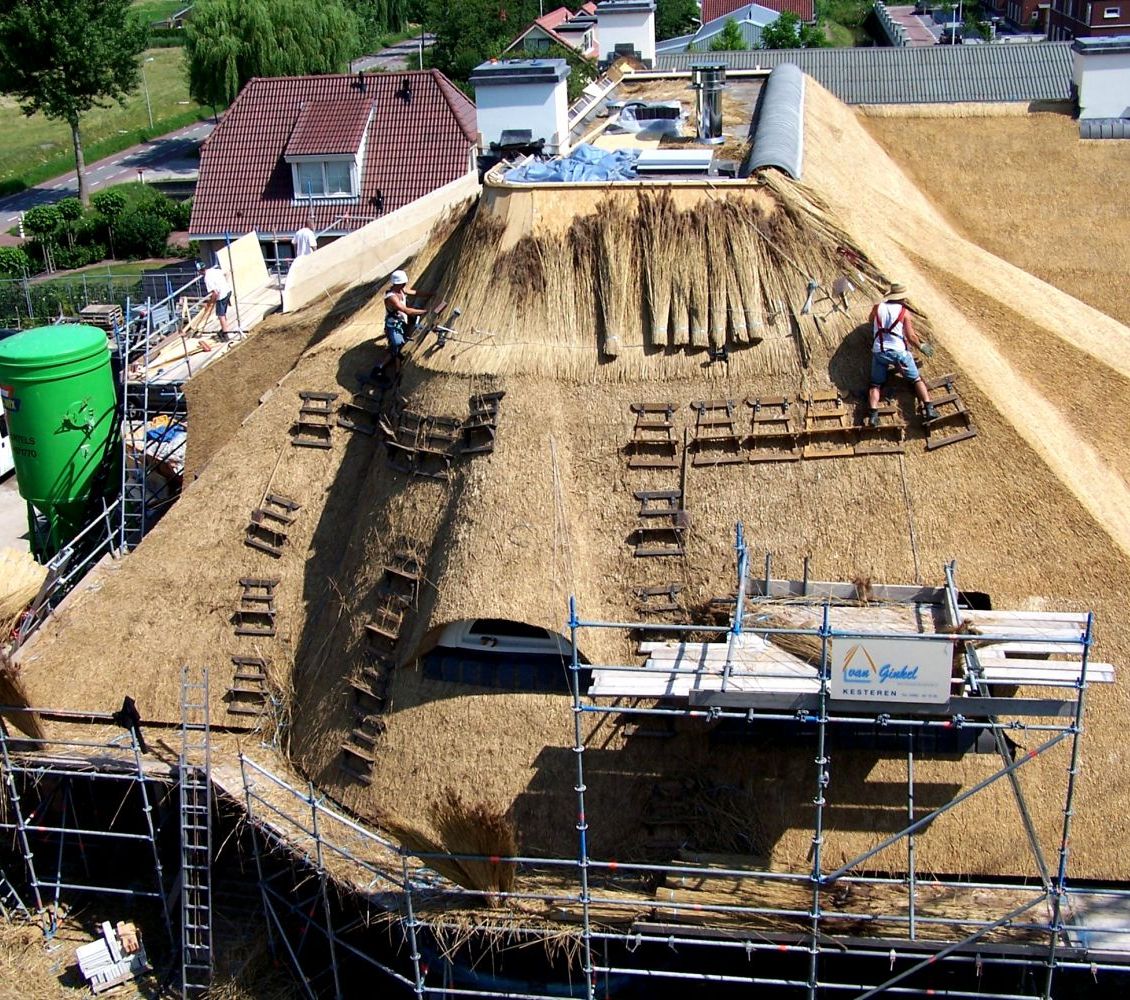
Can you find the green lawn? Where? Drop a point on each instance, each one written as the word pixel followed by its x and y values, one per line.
pixel 33 149
pixel 158 10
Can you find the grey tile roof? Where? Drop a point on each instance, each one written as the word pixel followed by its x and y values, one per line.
pixel 1038 71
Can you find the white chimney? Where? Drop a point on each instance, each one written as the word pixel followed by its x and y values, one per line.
pixel 626 26
pixel 1101 74
pixel 517 95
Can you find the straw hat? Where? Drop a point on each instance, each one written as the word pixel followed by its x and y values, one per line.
pixel 897 292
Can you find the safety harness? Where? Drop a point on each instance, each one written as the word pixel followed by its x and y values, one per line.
pixel 885 331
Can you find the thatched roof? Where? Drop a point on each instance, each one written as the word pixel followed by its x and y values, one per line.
pixel 1033 509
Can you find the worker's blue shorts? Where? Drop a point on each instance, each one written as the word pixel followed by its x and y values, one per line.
pixel 222 305
pixel 884 361
pixel 395 332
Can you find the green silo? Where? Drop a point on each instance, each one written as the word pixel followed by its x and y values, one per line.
pixel 60 404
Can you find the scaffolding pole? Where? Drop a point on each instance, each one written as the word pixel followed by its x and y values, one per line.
pixel 822 778
pixel 582 820
pixel 1060 888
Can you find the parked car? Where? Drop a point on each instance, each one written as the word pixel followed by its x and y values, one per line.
pixel 952 34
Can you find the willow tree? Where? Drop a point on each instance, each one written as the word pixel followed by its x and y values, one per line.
pixel 228 42
pixel 64 57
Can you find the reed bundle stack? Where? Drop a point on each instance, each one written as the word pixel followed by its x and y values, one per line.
pixel 648 280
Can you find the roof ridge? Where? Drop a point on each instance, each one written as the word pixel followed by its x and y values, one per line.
pixel 453 96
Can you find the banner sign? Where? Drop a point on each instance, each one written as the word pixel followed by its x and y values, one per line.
pixel 896 670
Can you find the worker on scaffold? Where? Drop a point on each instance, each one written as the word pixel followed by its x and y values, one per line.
pixel 893 334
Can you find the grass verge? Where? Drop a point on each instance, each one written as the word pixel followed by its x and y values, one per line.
pixel 35 148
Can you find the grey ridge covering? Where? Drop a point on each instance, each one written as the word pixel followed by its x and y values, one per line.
pixel 928 74
pixel 1104 128
pixel 778 136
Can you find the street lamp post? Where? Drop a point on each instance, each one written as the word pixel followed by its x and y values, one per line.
pixel 145 87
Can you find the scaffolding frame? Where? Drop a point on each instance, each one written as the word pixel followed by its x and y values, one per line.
pixel 66 760
pixel 390 878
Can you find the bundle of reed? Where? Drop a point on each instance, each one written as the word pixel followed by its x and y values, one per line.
pixel 13 692
pixel 617 261
pixel 20 579
pixel 464 829
pixel 656 223
pixel 805 647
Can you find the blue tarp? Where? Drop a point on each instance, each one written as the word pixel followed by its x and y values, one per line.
pixel 585 163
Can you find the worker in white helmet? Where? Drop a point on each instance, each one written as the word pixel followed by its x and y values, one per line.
pixel 398 312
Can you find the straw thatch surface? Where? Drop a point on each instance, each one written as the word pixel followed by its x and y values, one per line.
pixel 1035 510
pixel 1029 190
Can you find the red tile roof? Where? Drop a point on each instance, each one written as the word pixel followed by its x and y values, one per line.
pixel 325 127
pixel 804 9
pixel 555 17
pixel 412 147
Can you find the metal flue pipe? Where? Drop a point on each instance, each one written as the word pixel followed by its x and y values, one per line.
pixel 708 80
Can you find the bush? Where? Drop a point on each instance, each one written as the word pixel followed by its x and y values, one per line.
pixel 69 209
pixel 141 234
pixel 42 221
pixel 110 203
pixel 14 262
pixel 67 258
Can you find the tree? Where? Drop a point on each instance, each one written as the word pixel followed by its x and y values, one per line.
pixel 65 57
pixel 14 262
pixel 376 18
pixel 227 42
pixel 675 17
pixel 469 32
pixel 788 32
pixel 729 39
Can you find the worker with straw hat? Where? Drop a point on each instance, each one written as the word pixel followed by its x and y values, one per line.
pixel 893 335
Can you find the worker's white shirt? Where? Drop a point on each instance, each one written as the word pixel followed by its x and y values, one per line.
pixel 892 340
pixel 304 242
pixel 216 281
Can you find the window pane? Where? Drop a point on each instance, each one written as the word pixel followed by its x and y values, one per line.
pixel 310 180
pixel 337 178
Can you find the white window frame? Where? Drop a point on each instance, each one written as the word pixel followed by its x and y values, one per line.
pixel 300 193
pixel 1109 12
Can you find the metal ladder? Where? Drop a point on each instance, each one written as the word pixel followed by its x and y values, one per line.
pixel 11 906
pixel 196 836
pixel 134 472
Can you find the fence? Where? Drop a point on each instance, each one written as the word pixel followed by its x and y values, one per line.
pixel 26 302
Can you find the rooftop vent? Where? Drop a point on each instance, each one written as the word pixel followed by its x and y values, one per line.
pixel 708 80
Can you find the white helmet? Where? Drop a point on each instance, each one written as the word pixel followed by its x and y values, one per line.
pixel 398 278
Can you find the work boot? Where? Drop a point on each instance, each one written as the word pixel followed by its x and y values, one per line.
pixel 873 418
pixel 929 412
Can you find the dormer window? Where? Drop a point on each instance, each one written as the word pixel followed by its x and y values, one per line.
pixel 315 179
pixel 326 151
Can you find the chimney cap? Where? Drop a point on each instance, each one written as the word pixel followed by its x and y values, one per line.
pixel 625 7
pixel 517 71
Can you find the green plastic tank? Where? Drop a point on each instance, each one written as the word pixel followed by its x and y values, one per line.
pixel 59 400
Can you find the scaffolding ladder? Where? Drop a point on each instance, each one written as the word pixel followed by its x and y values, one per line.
pixel 135 413
pixel 196 836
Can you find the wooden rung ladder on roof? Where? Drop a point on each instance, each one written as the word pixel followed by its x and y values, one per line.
pixel 314 426
pixel 248 695
pixel 266 529
pixel 255 615
pixel 715 439
pixel 829 431
pixel 362 411
pixel 662 537
pixel 423 445
pixel 404 571
pixel 659 503
pixel 653 444
pixel 954 422
pixel 888 438
pixel 773 430
pixel 388 619
pixel 481 425
pixel 665 597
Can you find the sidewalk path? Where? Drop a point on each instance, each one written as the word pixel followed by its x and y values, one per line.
pixel 160 154
pixel 402 55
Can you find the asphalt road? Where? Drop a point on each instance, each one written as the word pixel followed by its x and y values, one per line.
pixel 402 55
pixel 159 154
